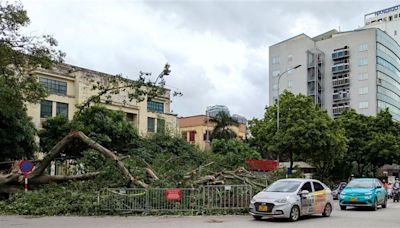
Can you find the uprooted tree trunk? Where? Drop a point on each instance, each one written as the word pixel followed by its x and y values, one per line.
pixel 37 177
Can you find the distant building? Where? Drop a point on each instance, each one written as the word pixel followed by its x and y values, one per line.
pixel 71 85
pixel 197 130
pixel 239 118
pixel 388 20
pixel 214 110
pixel 357 69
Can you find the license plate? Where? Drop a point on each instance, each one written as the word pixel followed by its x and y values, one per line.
pixel 263 208
pixel 353 199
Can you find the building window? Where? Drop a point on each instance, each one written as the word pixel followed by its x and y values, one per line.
pixel 184 135
pixel 192 136
pixel 46 109
pixel 362 76
pixel 129 117
pixel 207 137
pixel 363 47
pixel 160 126
pixel 275 87
pixel 363 105
pixel 395 32
pixel 154 106
pixel 151 124
pixel 363 90
pixel 276 73
pixel 289 70
pixel 290 83
pixel 362 61
pixel 290 58
pixel 275 60
pixel 54 86
pixel 62 109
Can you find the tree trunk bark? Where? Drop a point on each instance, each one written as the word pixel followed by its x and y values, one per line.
pixel 36 177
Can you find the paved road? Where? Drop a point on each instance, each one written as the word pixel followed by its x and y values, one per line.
pixel 389 217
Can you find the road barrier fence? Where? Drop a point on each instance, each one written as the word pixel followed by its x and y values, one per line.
pixel 206 198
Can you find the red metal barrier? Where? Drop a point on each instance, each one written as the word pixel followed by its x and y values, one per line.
pixel 262 165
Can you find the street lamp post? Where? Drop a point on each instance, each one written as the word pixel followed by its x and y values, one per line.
pixel 277 111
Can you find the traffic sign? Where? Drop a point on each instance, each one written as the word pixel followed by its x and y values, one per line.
pixel 26 166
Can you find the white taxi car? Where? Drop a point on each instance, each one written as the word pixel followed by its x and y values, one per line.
pixel 292 198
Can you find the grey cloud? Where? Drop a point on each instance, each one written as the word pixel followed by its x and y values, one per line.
pixel 103 36
pixel 253 21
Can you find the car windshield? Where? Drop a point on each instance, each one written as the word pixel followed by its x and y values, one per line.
pixel 360 184
pixel 283 186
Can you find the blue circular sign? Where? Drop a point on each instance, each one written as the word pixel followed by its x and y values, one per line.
pixel 26 166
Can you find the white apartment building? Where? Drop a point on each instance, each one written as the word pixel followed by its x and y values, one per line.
pixel 357 69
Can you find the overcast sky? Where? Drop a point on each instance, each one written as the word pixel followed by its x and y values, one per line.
pixel 218 50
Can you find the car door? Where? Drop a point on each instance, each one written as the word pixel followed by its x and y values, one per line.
pixel 307 201
pixel 380 191
pixel 320 197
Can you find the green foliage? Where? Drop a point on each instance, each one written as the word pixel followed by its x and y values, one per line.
pixel 54 199
pixel 373 141
pixel 53 130
pixel 19 56
pixel 306 132
pixel 17 136
pixel 233 153
pixel 221 129
pixel 107 127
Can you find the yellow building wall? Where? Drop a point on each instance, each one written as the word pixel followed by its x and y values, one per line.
pixel 202 129
pixel 80 87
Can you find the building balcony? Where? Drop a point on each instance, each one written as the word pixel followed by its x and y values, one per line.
pixel 340 82
pixel 341 96
pixel 337 109
pixel 340 54
pixel 341 68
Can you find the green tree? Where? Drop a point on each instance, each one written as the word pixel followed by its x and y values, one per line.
pixel 330 145
pixel 109 128
pixel 372 141
pixel 305 132
pixel 20 55
pixel 17 139
pixel 382 146
pixel 221 130
pixel 357 127
pixel 233 152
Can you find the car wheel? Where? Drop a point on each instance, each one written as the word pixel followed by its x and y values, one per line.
pixel 256 217
pixel 328 210
pixel 294 214
pixel 375 206
pixel 343 208
pixel 384 205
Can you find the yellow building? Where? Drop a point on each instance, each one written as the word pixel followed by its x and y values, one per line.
pixel 194 130
pixel 71 85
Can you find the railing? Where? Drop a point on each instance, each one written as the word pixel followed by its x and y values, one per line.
pixel 213 197
pixel 341 82
pixel 227 197
pixel 343 67
pixel 340 54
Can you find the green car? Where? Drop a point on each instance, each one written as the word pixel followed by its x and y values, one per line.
pixel 363 192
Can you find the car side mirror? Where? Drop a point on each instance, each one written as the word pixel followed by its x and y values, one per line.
pixel 304 193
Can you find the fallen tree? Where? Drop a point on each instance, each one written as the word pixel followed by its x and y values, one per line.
pixel 8 182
